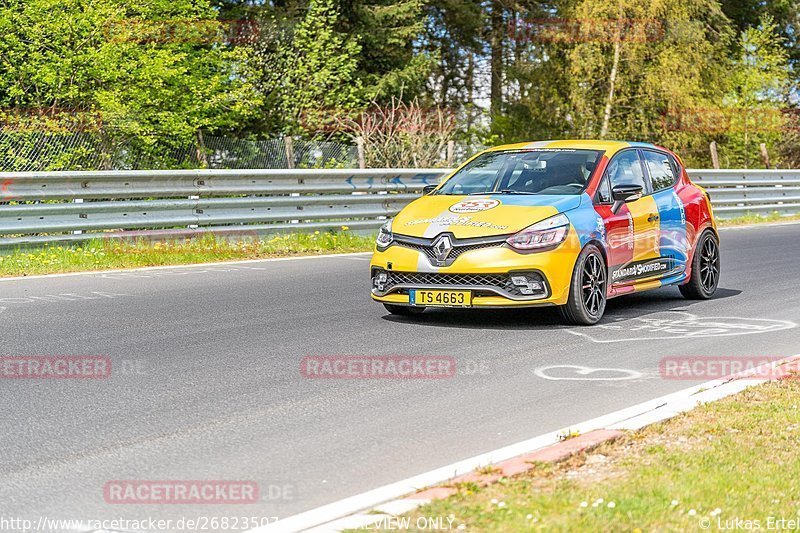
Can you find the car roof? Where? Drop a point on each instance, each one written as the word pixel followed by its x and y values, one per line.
pixel 609 147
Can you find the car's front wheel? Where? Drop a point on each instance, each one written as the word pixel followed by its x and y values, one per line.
pixel 404 310
pixel 705 269
pixel 588 289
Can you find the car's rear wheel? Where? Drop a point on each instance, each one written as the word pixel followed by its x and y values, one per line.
pixel 705 269
pixel 404 310
pixel 588 289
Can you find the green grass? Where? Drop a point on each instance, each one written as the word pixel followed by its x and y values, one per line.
pixel 110 255
pixel 737 457
pixel 757 219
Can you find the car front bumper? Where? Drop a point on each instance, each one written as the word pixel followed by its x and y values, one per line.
pixel 492 272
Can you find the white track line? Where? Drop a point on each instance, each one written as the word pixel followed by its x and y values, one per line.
pixel 330 516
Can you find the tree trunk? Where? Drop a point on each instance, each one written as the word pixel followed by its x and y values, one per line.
pixel 496 45
pixel 200 148
pixel 612 81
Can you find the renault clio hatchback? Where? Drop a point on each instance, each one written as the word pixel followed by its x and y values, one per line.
pixel 564 223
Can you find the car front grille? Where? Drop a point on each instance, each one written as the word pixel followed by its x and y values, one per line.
pixel 481 284
pixel 460 246
pixel 457 250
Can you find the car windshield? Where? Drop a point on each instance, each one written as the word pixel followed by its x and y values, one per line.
pixel 554 171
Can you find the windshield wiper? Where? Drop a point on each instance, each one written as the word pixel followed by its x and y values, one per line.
pixel 509 191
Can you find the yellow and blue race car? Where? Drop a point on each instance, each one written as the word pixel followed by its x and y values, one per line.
pixel 566 223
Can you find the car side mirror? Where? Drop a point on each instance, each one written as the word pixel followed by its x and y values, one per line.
pixel 428 189
pixel 627 192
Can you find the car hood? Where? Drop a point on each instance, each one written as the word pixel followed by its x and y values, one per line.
pixel 478 215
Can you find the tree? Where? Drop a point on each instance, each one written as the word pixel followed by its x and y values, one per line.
pixel 632 70
pixel 390 64
pixel 317 73
pixel 759 89
pixel 454 38
pixel 785 14
pixel 155 71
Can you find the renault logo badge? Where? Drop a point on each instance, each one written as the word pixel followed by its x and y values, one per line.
pixel 442 247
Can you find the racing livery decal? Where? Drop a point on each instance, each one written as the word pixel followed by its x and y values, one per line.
pixel 535 223
pixel 473 206
pixel 642 269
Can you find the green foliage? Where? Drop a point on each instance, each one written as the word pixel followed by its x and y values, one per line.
pixel 746 14
pixel 162 75
pixel 759 83
pixel 318 68
pixel 622 86
pixel 155 71
pixel 389 64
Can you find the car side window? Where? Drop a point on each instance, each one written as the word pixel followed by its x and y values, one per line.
pixel 626 169
pixel 603 195
pixel 676 167
pixel 661 172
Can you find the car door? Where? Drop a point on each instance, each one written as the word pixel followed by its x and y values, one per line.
pixel 632 232
pixel 662 173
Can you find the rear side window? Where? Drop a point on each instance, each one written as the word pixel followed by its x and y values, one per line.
pixel 661 171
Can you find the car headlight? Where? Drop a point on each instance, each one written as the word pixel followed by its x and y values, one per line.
pixel 384 235
pixel 545 234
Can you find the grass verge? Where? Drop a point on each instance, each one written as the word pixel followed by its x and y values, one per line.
pixel 110 255
pixel 757 219
pixel 716 466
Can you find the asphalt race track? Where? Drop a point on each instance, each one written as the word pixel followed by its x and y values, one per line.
pixel 206 381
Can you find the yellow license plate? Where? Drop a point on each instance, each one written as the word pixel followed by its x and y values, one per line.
pixel 440 298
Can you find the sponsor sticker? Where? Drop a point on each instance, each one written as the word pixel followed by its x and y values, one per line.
pixel 473 206
pixel 455 221
pixel 641 270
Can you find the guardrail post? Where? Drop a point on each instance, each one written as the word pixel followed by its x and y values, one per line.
pixel 77 201
pixel 362 160
pixel 714 154
pixel 287 141
pixel 764 155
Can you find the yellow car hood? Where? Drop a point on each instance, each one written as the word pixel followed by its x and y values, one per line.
pixel 478 215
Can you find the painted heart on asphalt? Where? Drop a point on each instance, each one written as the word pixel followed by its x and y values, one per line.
pixel 679 325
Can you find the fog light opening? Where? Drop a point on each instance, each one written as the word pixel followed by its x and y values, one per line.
pixel 527 284
pixel 379 281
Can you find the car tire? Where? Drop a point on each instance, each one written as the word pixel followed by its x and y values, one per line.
pixel 587 290
pixel 404 310
pixel 704 279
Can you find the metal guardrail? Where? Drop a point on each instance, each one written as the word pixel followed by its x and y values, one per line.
pixel 739 192
pixel 40 207
pixel 50 207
